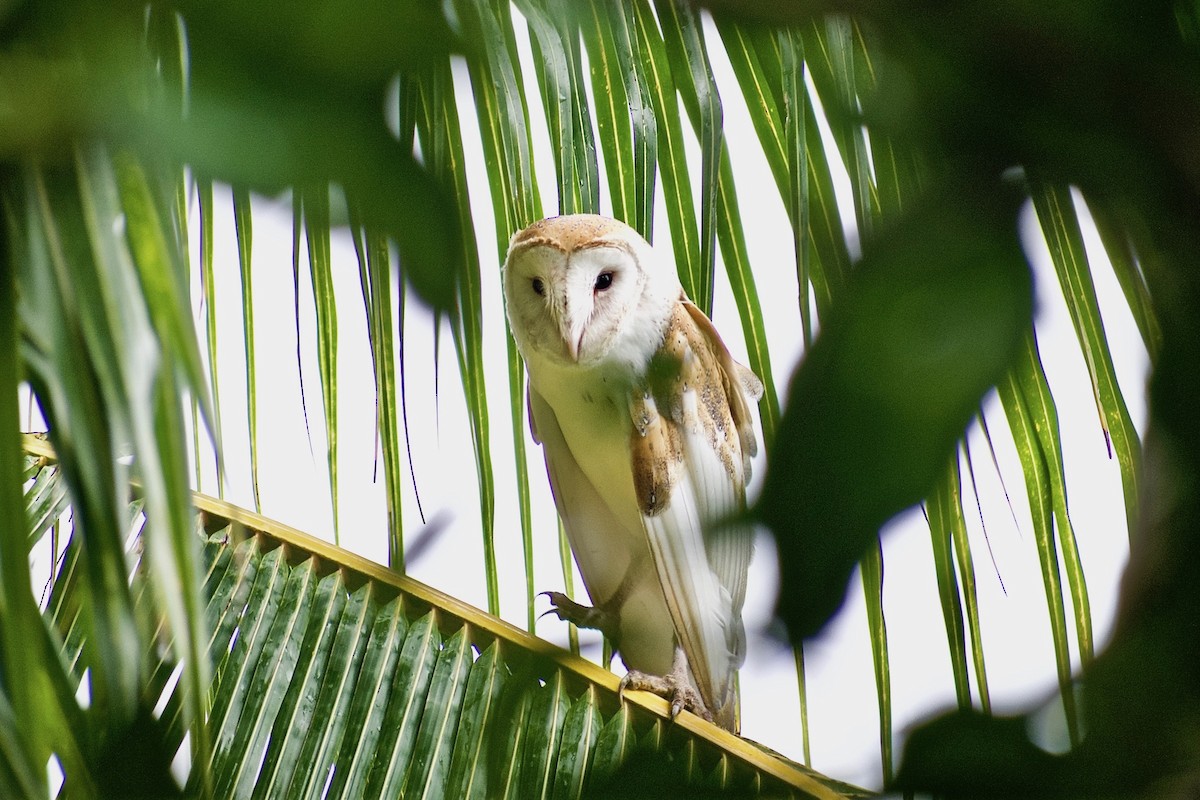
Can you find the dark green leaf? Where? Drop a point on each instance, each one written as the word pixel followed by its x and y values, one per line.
pixel 547 712
pixel 921 332
pixel 267 687
pixel 581 729
pixel 469 775
pixel 370 699
pixel 322 740
pixel 398 729
pixel 428 771
pixel 296 714
pixel 967 754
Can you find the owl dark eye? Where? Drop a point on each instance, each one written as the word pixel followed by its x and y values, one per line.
pixel 603 281
pixel 538 286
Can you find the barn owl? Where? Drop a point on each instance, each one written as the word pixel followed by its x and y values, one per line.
pixel 645 424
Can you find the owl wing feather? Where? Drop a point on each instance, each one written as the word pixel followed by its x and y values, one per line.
pixel 730 545
pixel 690 449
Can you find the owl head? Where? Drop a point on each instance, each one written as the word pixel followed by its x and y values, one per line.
pixel 584 289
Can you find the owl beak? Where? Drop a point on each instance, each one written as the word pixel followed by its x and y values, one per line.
pixel 574 345
pixel 571 323
pixel 572 336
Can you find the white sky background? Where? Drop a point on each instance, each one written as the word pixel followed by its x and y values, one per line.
pixel 841 687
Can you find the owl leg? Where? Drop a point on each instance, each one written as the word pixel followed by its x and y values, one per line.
pixel 676 686
pixel 594 617
pixel 603 617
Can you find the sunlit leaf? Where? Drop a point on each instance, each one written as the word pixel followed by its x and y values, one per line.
pixel 682 33
pixel 557 60
pixel 947 531
pixel 316 227
pixel 439 128
pixel 204 191
pixel 243 220
pixel 872 577
pixel 1056 210
pixel 671 159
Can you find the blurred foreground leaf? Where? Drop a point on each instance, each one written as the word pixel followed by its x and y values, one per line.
pixel 927 324
pixel 272 96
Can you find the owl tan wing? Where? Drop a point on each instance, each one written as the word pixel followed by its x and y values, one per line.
pixel 730 547
pixel 691 444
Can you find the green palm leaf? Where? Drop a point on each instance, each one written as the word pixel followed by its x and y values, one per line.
pixel 116 103
pixel 421 689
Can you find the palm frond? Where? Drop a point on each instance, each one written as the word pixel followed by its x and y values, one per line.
pixel 418 691
pixel 906 339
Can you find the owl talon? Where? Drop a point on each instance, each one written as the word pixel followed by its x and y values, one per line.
pixel 580 615
pixel 676 687
pixel 681 694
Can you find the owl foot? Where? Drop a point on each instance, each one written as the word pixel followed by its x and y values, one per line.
pixel 582 616
pixel 676 687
